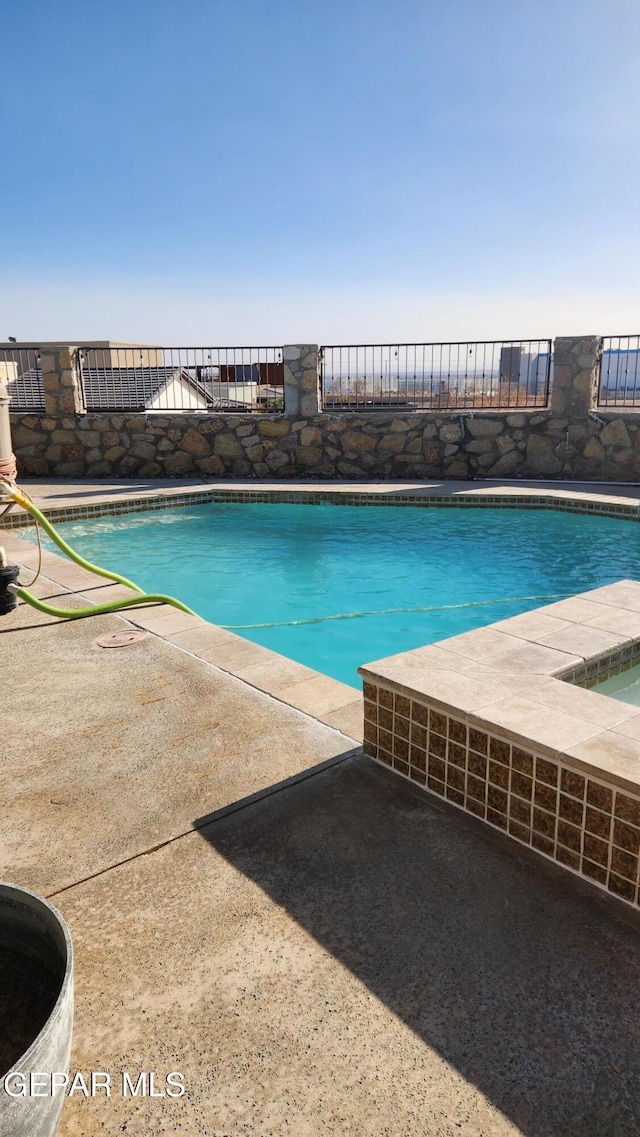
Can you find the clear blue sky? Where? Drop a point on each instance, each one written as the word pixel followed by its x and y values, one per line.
pixel 275 170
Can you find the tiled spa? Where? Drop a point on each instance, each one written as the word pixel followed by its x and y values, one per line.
pixel 499 722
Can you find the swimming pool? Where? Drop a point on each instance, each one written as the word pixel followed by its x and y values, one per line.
pixel 335 586
pixel 625 686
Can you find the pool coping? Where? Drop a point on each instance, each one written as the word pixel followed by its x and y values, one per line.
pixel 96 499
pixel 500 722
pixel 321 697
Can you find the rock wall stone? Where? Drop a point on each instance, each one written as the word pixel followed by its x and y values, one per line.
pixel 301 386
pixel 60 379
pixel 370 445
pixel 569 440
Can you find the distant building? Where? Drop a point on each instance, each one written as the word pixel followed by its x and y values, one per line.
pixel 510 363
pixel 142 377
pixel 262 374
pixel 526 371
pixel 146 388
pixel 620 373
pixel 120 389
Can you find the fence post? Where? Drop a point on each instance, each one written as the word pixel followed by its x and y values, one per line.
pixel 63 396
pixel 301 379
pixel 576 376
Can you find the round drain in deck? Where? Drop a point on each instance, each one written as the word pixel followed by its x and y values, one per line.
pixel 121 639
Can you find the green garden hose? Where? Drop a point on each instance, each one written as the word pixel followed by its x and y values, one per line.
pixel 27 504
pixel 95 609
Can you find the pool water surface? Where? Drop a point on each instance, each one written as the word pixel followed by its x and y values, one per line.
pixel 335 586
pixel 625 686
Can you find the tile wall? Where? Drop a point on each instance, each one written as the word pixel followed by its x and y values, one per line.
pixel 582 823
pixel 597 670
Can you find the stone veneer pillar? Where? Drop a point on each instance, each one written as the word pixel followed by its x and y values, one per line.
pixel 576 375
pixel 301 379
pixel 63 397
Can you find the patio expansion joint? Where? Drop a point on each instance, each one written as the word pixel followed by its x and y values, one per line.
pixel 218 815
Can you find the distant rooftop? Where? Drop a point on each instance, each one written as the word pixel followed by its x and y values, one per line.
pixel 9 344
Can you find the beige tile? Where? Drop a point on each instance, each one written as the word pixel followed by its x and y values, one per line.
pixel 533 626
pixel 527 720
pixel 233 654
pixel 537 659
pixel 629 727
pixel 163 620
pixel 105 593
pixel 275 674
pixel 612 756
pixel 585 640
pixel 74 576
pixel 30 557
pixel 13 544
pixel 502 682
pixel 348 719
pixel 204 640
pixel 318 696
pixel 424 658
pixel 448 688
pixel 581 703
pixel 577 610
pixel 146 613
pixel 632 607
pixel 622 594
pixel 481 644
pixel 621 620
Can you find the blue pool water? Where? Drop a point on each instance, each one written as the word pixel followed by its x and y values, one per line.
pixel 292 566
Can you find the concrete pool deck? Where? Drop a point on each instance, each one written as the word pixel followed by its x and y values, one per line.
pixel 56 497
pixel 316 946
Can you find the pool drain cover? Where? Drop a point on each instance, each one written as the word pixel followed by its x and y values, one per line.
pixel 121 639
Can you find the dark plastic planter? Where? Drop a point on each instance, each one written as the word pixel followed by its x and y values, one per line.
pixel 36 1004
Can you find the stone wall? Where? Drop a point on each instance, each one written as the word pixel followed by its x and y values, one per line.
pixel 570 439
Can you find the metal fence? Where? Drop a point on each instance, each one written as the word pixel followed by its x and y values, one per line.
pixel 620 372
pixel 20 367
pixel 214 379
pixel 436 376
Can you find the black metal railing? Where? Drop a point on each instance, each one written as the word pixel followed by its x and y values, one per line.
pixel 189 379
pixel 436 376
pixel 620 372
pixel 20 367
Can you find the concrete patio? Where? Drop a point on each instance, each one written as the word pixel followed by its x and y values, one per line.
pixel 318 947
